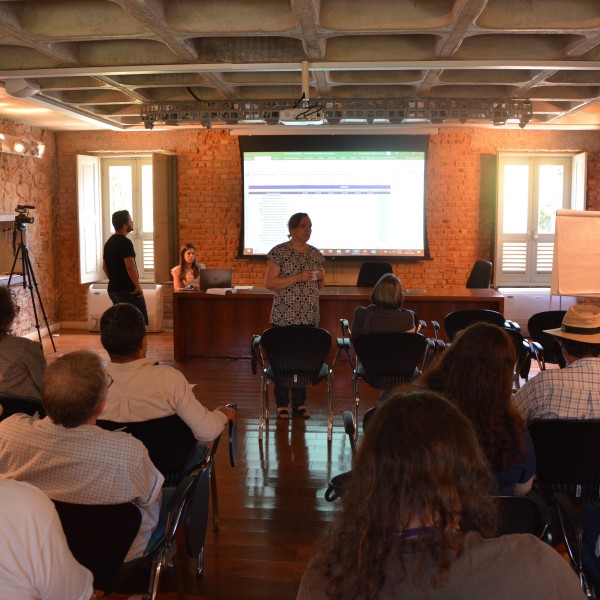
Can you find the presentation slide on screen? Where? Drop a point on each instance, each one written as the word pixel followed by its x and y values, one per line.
pixel 367 203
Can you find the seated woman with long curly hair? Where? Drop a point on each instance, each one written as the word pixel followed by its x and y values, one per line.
pixel 476 374
pixel 418 519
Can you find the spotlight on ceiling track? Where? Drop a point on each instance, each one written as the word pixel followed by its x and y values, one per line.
pixel 10 144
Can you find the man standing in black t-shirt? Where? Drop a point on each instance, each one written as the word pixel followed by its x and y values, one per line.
pixel 119 265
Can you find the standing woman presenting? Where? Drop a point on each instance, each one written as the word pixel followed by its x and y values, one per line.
pixel 295 273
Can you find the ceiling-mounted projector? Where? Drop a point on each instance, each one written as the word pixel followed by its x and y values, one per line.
pixel 301 116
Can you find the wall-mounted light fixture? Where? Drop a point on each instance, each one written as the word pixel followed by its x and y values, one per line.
pixel 11 144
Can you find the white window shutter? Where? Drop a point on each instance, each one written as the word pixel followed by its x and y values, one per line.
pixel 90 218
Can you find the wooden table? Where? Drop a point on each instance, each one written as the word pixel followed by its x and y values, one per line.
pixel 209 325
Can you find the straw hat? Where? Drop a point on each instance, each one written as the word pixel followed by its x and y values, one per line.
pixel 580 323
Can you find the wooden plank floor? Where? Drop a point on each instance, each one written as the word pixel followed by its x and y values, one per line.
pixel 272 506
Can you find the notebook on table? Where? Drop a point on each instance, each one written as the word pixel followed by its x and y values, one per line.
pixel 215 278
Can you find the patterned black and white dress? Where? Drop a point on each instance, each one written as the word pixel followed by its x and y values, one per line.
pixel 297 304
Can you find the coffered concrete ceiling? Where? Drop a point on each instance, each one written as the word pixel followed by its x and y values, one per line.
pixel 102 59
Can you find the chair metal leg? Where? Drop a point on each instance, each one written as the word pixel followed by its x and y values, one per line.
pixel 261 409
pixel 214 497
pixel 155 572
pixel 329 407
pixel 179 579
pixel 356 403
pixel 200 565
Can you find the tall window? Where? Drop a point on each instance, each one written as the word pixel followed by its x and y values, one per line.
pixel 530 191
pixel 127 185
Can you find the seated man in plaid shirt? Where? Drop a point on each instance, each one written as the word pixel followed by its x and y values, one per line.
pixel 572 392
pixel 70 458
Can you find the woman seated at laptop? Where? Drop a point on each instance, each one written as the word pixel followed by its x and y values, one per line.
pixel 187 272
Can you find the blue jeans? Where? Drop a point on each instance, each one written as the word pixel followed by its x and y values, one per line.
pixel 129 298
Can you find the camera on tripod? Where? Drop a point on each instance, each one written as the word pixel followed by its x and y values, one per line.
pixel 23 215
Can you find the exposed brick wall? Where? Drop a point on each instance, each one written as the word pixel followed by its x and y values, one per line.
pixel 210 190
pixel 27 180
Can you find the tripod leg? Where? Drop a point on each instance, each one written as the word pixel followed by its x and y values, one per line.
pixel 12 269
pixel 33 284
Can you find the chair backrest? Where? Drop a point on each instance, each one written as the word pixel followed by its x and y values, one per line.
pixel 196 516
pixel 567 452
pixel 549 319
pixel 170 442
pixel 99 537
pixel 456 321
pixel 16 404
pixel 523 514
pixel 296 354
pixel 386 360
pixel 371 271
pixel 481 275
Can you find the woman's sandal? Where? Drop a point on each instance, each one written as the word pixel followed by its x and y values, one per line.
pixel 283 414
pixel 301 411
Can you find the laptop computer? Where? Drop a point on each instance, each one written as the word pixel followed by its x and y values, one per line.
pixel 215 278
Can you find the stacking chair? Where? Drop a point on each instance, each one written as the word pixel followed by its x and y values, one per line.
pixel 581 555
pixel 523 514
pixel 526 351
pixel 481 275
pixel 170 443
pixel 295 358
pixel 384 360
pixel 567 452
pixel 457 321
pixel 17 404
pixel 99 537
pixel 371 271
pixel 175 452
pixel 549 319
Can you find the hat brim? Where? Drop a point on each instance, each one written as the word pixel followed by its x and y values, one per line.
pixel 576 337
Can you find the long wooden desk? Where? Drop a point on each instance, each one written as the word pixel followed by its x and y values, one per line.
pixel 210 325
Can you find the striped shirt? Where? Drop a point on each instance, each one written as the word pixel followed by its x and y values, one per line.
pixel 82 465
pixel 569 393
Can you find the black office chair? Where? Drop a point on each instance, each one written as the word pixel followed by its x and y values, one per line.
pixel 18 404
pixel 567 452
pixel 371 271
pixel 99 537
pixel 384 360
pixel 481 275
pixel 188 505
pixel 175 452
pixel 170 443
pixel 526 351
pixel 549 319
pixel 523 514
pixel 579 549
pixel 457 321
pixel 295 358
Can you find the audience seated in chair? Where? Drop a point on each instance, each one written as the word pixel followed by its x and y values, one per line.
pixel 35 560
pixel 417 519
pixel 70 458
pixel 22 362
pixel 475 373
pixel 144 390
pixel 572 392
pixel 385 314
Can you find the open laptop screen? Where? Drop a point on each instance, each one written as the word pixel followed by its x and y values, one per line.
pixel 215 278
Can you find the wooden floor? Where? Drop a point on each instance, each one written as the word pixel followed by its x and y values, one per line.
pixel 272 506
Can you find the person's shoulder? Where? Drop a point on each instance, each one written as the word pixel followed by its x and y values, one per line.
pixel 176 270
pixel 25 494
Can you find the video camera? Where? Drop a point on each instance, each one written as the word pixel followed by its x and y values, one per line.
pixel 23 215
